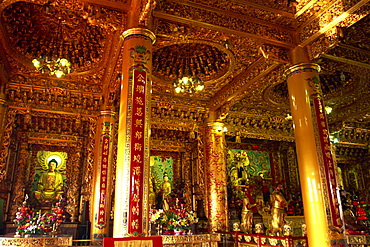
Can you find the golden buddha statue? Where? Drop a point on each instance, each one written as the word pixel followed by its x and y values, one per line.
pixel 165 191
pixel 50 184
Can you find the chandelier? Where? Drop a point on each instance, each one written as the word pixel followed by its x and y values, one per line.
pixel 188 84
pixel 51 63
pixel 54 66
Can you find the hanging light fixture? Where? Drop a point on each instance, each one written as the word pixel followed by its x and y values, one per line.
pixel 187 80
pixel 58 67
pixel 51 63
pixel 188 84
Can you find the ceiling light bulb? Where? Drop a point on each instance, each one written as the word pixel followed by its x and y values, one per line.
pixel 64 62
pixel 59 73
pixel 188 84
pixel 199 87
pixel 185 79
pixel 328 109
pixel 36 63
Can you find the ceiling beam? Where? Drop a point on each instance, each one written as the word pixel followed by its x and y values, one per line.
pixel 123 7
pixel 354 111
pixel 347 14
pixel 235 90
pixel 114 53
pixel 242 17
pixel 186 21
pixel 354 48
pixel 347 61
pixel 265 8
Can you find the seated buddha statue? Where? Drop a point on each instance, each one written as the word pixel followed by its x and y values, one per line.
pixel 50 184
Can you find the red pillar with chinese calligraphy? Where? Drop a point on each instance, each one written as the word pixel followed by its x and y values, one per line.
pixel 215 155
pixel 132 174
pixel 316 165
pixel 102 187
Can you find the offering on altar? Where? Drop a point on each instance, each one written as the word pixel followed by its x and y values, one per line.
pixel 29 222
pixel 173 219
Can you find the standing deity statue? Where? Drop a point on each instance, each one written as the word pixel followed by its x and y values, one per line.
pixel 249 207
pixel 165 192
pixel 279 205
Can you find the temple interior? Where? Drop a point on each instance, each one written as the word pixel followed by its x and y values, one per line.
pixel 222 125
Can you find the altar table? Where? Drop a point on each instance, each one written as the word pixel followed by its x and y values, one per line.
pixel 41 241
pixel 197 240
pixel 206 240
pixel 153 241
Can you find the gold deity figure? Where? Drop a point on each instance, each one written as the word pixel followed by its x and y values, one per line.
pixel 50 184
pixel 249 207
pixel 279 205
pixel 165 191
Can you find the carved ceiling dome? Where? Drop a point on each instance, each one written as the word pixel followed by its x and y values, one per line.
pixel 333 85
pixel 44 30
pixel 202 60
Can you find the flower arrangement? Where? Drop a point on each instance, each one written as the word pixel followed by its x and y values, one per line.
pixel 156 216
pixel 29 222
pixel 173 219
pixel 176 219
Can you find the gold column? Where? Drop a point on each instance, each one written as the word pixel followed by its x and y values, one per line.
pixel 103 170
pixel 315 162
pixel 216 177
pixel 131 207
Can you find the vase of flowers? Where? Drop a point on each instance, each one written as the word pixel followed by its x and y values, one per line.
pixel 173 220
pixel 178 231
pixel 156 219
pixel 29 222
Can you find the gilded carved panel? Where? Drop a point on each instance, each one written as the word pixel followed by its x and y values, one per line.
pixel 41 131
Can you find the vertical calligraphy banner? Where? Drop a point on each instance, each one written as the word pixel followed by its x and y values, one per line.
pixel 329 165
pixel 103 183
pixel 137 150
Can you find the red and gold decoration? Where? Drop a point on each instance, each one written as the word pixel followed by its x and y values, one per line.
pixel 328 165
pixel 131 204
pixel 137 149
pixel 310 130
pixel 103 181
pixel 102 217
pixel 216 177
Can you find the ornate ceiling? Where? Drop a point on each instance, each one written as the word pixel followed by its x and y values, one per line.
pixel 240 48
